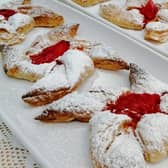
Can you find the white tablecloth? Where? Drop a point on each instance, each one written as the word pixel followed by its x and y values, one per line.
pixel 12 153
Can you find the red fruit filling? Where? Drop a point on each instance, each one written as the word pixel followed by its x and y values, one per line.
pixel 50 53
pixel 7 13
pixel 135 105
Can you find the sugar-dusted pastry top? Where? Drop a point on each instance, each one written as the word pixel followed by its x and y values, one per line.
pixel 134 3
pixel 15 21
pixel 36 11
pixel 111 145
pixel 77 102
pixel 163 15
pixel 15 58
pixel 18 20
pixel 164 103
pixel 153 129
pixel 144 82
pixel 157 26
pixel 104 52
pixel 76 62
pixel 64 32
pixel 132 16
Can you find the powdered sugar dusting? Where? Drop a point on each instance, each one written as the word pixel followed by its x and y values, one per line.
pixel 53 81
pixel 125 151
pixel 163 15
pixel 142 81
pixel 153 129
pixel 157 26
pixel 76 62
pixel 135 3
pixel 8 4
pixel 75 102
pixel 18 20
pixel 106 94
pixel 164 103
pixel 101 51
pixel 13 57
pixel 132 16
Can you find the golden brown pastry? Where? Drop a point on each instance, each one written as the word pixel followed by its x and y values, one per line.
pixel 64 32
pixel 63 79
pixel 156 31
pixel 103 56
pixel 12 31
pixel 43 17
pixel 86 3
pixel 129 19
pixel 18 63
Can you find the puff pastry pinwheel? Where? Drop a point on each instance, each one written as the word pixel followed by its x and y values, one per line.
pixel 76 68
pixel 27 65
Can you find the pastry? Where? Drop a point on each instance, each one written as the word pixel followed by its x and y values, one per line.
pixel 144 82
pixel 113 144
pixel 43 17
pixel 74 106
pixel 76 68
pixel 134 4
pixel 156 31
pixel 31 64
pixel 12 4
pixel 162 15
pixel 153 133
pixel 64 32
pixel 86 3
pixel 77 106
pixel 131 19
pixel 104 57
pixel 12 31
pixel 16 65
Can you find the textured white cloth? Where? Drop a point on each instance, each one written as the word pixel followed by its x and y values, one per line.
pixel 13 154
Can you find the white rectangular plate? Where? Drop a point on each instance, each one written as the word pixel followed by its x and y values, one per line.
pixel 137 35
pixel 66 145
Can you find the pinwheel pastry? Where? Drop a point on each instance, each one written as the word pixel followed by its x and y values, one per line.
pixel 87 3
pixel 129 19
pixel 32 64
pixel 43 17
pixel 13 4
pixel 156 31
pixel 76 67
pixel 14 26
pixel 135 126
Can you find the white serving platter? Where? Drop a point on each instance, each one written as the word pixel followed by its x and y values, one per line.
pixel 66 145
pixel 137 35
